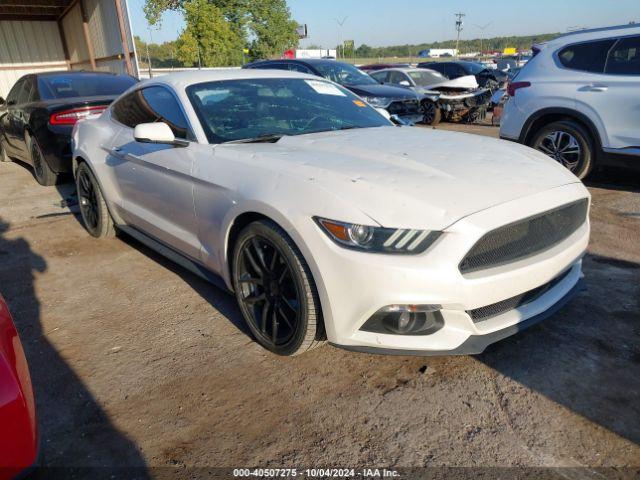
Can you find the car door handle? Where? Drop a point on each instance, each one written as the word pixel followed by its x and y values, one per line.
pixel 595 88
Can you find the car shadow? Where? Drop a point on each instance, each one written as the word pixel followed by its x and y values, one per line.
pixel 614 179
pixel 586 356
pixel 74 429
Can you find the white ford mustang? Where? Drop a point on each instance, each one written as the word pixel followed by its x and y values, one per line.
pixel 328 221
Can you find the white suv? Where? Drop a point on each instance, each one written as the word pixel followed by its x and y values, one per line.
pixel 578 99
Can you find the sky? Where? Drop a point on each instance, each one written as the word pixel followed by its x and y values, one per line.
pixel 384 22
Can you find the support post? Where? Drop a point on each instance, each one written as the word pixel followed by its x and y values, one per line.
pixel 123 37
pixel 87 37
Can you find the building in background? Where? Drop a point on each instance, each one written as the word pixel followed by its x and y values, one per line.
pixel 438 52
pixel 37 36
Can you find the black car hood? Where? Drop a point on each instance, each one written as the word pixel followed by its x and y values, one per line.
pixel 384 91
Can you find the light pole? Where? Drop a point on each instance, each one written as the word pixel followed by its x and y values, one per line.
pixel 482 27
pixel 459 23
pixel 341 23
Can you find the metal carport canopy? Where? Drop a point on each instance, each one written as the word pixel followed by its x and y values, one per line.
pixel 34 9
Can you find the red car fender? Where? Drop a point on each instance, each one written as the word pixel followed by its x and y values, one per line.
pixel 18 422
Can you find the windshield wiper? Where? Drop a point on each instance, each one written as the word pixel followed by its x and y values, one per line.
pixel 261 139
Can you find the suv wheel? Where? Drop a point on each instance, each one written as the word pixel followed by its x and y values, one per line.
pixel 568 143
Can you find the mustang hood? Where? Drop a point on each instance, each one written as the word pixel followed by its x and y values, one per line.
pixel 411 177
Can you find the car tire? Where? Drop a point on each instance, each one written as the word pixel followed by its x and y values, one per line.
pixel 3 153
pixel 41 169
pixel 93 209
pixel 432 113
pixel 567 142
pixel 275 290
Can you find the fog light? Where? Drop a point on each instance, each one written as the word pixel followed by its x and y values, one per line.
pixel 405 320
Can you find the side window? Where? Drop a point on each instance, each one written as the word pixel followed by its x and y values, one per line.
pixel 149 105
pixel 34 96
pixel 380 76
pixel 624 58
pixel 12 98
pixel 25 93
pixel 396 77
pixel 587 57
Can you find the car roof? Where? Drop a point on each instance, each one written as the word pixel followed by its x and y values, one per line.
pixel 75 72
pixel 404 70
pixel 595 34
pixel 307 61
pixel 184 79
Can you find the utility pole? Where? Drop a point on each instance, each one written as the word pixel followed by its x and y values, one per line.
pixel 482 28
pixel 341 23
pixel 148 57
pixel 459 16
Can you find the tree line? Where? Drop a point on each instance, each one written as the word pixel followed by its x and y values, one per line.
pixel 466 46
pixel 230 32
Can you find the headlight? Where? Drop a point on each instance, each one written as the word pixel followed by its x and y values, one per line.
pixel 377 239
pixel 380 102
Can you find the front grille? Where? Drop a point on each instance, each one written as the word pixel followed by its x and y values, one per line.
pixel 525 238
pixel 485 313
pixel 404 107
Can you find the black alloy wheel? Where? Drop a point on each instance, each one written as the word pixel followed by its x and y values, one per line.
pixel 432 113
pixel 93 209
pixel 275 291
pixel 3 153
pixel 43 173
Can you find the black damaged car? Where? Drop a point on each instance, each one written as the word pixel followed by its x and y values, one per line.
pixel 40 111
pixel 401 102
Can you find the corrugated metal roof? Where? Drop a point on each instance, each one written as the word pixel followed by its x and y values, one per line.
pixel 41 9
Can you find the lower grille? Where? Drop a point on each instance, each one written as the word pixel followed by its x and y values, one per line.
pixel 525 238
pixel 406 107
pixel 485 313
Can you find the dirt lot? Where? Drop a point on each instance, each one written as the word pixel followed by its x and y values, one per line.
pixel 137 362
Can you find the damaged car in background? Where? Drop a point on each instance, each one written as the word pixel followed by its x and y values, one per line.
pixel 455 100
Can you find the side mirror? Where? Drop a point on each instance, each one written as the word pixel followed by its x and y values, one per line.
pixel 384 113
pixel 404 83
pixel 159 133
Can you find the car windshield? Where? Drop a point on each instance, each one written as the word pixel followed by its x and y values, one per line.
pixel 234 110
pixel 344 74
pixel 83 85
pixel 424 78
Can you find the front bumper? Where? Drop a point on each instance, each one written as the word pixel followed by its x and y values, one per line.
pixel 476 344
pixel 353 286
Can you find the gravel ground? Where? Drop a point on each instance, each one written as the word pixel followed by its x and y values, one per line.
pixel 138 363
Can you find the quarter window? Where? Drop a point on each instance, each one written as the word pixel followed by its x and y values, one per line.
pixel 587 57
pixel 624 58
pixel 12 98
pixel 25 93
pixel 150 105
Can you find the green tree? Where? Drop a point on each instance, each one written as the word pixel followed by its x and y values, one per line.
pixel 265 26
pixel 208 38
